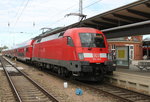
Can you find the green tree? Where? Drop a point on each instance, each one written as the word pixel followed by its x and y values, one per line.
pixel 4 47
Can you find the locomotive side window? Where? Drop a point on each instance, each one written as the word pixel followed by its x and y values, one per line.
pixel 38 40
pixel 92 40
pixel 51 37
pixel 61 34
pixel 70 41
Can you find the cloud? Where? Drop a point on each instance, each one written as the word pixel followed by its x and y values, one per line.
pixel 45 13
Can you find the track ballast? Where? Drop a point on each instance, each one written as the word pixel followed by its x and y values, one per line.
pixel 25 89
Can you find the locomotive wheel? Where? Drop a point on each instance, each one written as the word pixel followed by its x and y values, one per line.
pixel 59 71
pixel 66 73
pixel 110 72
pixel 101 76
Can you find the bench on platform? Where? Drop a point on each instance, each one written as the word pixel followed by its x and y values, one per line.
pixel 143 65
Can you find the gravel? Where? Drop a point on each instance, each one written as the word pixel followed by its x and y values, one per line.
pixel 6 94
pixel 55 86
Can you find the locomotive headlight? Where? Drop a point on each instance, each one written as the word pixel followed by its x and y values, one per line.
pixel 103 55
pixel 81 56
pixel 114 65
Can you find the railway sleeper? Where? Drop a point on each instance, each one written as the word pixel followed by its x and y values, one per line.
pixel 34 97
pixel 130 96
pixel 29 90
pixel 44 100
pixel 35 93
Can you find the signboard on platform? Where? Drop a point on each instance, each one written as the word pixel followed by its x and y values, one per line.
pixel 122 55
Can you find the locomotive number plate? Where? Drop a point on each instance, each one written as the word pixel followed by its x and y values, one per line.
pixel 96 56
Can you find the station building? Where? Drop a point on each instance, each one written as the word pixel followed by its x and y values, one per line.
pixel 125 49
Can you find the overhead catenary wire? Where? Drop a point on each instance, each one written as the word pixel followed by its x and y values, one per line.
pixel 61 13
pixel 58 13
pixel 55 22
pixel 19 9
pixel 18 19
pixel 76 11
pixel 92 4
pixel 21 13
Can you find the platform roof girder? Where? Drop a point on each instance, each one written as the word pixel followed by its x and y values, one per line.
pixel 148 4
pixel 103 23
pixel 144 14
pixel 129 18
pixel 89 24
pixel 114 21
pixel 140 28
pixel 137 30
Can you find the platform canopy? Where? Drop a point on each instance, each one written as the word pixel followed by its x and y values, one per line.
pixel 129 20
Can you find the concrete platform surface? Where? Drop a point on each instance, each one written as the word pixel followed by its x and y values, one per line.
pixel 134 72
pixel 1 68
pixel 131 79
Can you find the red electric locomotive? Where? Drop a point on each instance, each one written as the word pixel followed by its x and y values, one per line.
pixel 78 52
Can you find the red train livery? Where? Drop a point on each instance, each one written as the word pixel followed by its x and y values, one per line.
pixel 24 51
pixel 78 52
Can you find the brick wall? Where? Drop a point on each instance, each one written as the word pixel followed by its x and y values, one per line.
pixel 135 41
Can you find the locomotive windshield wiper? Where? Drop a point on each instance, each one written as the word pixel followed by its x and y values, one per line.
pixel 91 43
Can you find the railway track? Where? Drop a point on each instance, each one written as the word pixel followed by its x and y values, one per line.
pixel 120 94
pixel 123 95
pixel 25 89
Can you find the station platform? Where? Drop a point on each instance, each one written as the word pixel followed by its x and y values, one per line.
pixel 133 79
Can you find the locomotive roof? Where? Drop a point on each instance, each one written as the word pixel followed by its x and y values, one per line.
pixel 58 30
pixel 49 32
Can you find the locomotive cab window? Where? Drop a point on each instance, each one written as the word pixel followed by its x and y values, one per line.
pixel 92 40
pixel 70 41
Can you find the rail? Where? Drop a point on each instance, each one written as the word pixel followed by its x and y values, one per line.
pixel 122 94
pixel 14 87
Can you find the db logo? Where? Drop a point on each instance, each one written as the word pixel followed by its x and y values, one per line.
pixel 96 55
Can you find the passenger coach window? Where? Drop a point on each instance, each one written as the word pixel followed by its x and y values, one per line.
pixel 70 41
pixel 27 49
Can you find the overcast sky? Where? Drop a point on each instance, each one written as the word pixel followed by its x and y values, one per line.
pixel 21 20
